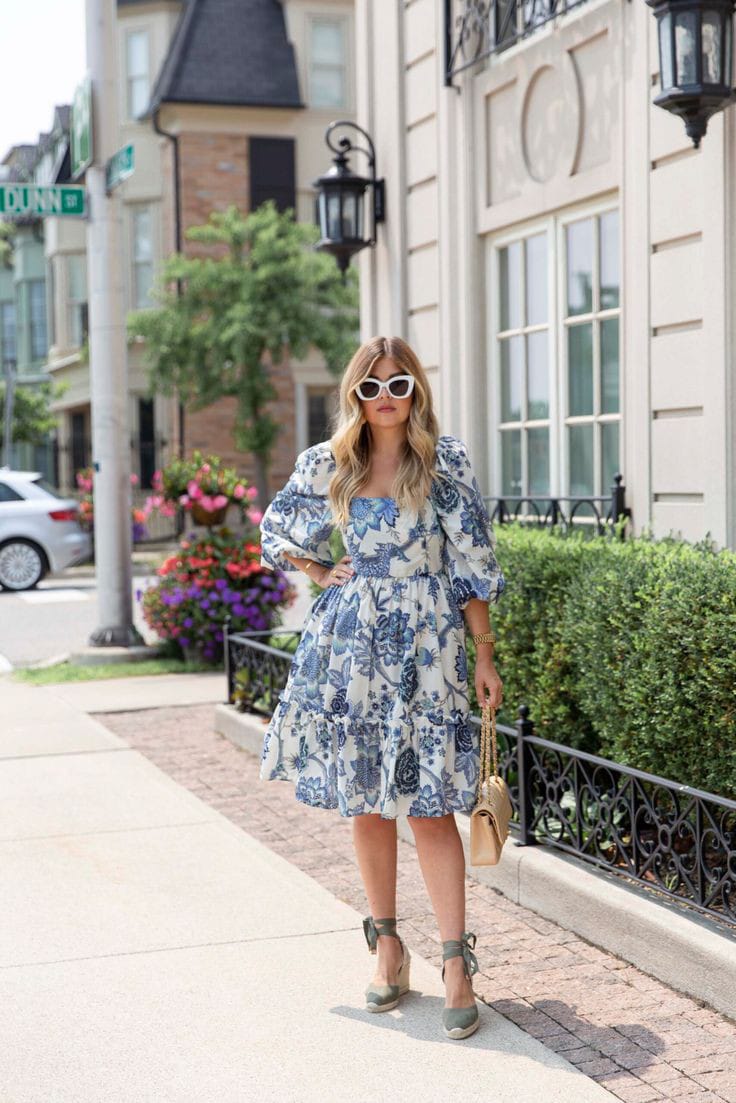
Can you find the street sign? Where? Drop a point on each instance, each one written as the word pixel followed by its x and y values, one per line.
pixel 29 199
pixel 120 166
pixel 81 129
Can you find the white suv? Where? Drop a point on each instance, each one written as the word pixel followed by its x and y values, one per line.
pixel 39 531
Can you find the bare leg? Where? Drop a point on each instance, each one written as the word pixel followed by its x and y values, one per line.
pixel 375 844
pixel 441 859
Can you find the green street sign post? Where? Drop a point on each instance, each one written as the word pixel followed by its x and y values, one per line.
pixel 58 200
pixel 120 166
pixel 81 129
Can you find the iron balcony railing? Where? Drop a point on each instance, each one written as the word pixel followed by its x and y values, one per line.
pixel 476 29
pixel 675 839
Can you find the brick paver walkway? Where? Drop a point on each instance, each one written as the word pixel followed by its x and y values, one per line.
pixel 637 1037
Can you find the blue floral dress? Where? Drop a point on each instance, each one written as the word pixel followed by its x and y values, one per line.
pixel 374 715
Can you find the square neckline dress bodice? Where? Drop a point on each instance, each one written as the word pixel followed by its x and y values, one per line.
pixel 374 714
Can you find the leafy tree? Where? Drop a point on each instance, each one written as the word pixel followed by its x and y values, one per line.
pixel 32 418
pixel 265 291
pixel 7 238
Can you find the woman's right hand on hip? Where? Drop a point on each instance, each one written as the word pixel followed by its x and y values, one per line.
pixel 338 574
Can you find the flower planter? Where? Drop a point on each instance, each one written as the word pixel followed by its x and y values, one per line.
pixel 208 517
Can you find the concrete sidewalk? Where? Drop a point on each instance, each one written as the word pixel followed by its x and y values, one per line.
pixel 152 950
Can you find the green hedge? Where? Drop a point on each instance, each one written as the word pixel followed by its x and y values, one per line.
pixel 623 648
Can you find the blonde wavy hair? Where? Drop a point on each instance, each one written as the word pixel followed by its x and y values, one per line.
pixel 351 439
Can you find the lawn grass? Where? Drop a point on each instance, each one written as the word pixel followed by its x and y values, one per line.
pixel 72 672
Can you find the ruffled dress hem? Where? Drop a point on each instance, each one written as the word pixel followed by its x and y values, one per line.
pixel 428 768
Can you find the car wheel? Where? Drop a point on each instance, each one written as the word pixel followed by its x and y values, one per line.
pixel 22 565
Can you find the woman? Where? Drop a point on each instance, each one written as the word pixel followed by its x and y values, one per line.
pixel 373 720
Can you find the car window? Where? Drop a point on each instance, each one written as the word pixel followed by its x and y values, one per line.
pixel 43 485
pixel 7 494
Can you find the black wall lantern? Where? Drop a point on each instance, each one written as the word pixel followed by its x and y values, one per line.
pixel 341 197
pixel 695 59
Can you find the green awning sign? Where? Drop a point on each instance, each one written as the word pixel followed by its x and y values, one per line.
pixel 17 200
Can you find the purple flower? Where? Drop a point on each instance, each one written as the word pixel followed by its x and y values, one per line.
pixel 221 584
pixel 218 636
pixel 138 594
pixel 184 641
pixel 239 609
pixel 187 622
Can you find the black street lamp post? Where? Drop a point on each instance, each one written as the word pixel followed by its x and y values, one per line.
pixel 341 197
pixel 695 59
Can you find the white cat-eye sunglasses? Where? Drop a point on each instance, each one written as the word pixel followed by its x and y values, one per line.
pixel 398 386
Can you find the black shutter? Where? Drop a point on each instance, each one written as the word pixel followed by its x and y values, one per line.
pixel 272 172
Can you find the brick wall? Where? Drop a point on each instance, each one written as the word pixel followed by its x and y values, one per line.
pixel 214 174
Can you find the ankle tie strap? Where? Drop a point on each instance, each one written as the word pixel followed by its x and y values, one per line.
pixel 461 947
pixel 371 930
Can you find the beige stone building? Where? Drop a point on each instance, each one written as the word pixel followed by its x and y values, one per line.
pixel 224 103
pixel 557 251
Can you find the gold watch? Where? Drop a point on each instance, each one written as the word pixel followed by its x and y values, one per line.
pixel 484 637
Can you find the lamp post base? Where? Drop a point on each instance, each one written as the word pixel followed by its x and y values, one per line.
pixel 116 636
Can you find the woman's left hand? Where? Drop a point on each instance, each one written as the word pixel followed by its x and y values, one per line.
pixel 488 684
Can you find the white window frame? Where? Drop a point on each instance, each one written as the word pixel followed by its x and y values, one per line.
pixel 73 304
pixel 34 355
pixel 130 32
pixel 579 215
pixel 342 21
pixel 555 226
pixel 135 264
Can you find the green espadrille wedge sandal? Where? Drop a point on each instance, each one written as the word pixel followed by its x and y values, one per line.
pixel 459 1022
pixel 382 997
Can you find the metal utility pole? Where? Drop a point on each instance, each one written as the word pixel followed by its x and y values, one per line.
pixel 108 346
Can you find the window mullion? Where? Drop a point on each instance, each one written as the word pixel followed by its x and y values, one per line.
pixel 524 373
pixel 597 441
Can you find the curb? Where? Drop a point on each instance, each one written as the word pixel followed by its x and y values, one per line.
pixel 686 951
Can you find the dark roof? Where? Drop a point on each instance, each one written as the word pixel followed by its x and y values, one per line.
pixel 232 52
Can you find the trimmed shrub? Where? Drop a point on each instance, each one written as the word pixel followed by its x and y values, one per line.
pixel 623 649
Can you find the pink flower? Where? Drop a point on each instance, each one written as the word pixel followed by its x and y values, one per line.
pixel 134 480
pixel 219 501
pixel 251 492
pixel 157 481
pixel 168 509
pixel 206 502
pixel 184 500
pixel 205 468
pixel 194 490
pixel 239 491
pixel 254 515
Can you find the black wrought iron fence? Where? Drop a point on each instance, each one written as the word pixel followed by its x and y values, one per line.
pixel 593 512
pixel 675 839
pixel 476 29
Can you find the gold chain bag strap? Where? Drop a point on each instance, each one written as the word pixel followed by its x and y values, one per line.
pixel 489 819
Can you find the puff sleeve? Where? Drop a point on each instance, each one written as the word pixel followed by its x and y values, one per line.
pixel 299 518
pixel 468 552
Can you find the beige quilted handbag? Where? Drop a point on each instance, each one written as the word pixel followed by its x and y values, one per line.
pixel 489 819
